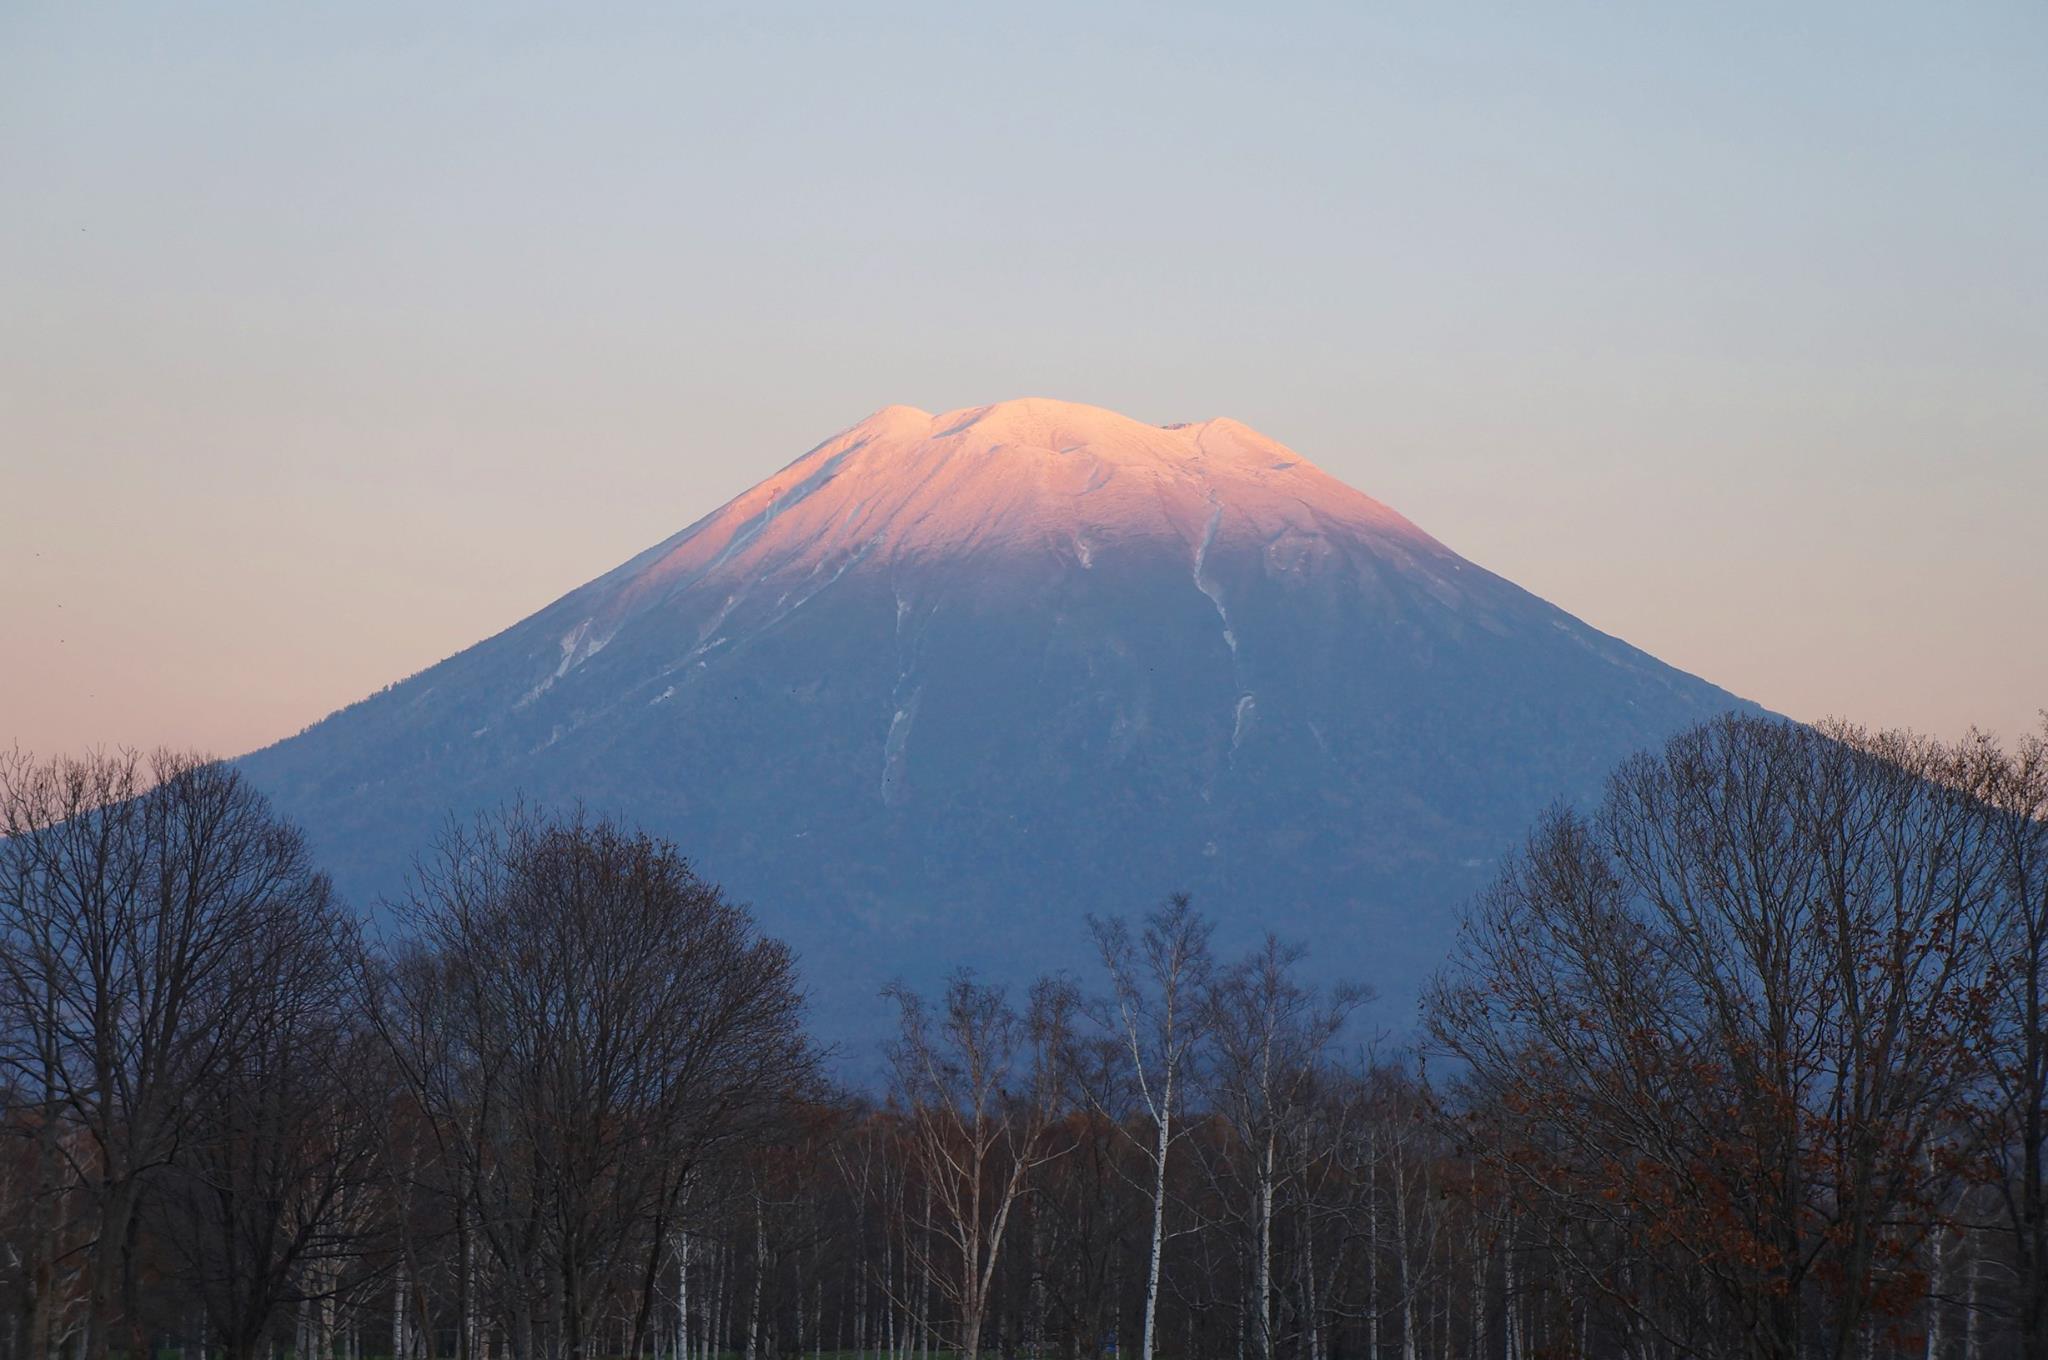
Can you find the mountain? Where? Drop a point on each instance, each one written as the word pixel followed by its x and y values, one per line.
pixel 945 684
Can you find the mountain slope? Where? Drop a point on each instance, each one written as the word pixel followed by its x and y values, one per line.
pixel 946 683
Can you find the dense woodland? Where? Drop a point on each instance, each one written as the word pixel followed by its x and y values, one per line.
pixel 1748 1061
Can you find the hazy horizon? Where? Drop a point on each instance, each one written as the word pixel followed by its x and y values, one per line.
pixel 338 342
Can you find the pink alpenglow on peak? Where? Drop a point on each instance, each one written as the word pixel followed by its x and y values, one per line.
pixel 1029 478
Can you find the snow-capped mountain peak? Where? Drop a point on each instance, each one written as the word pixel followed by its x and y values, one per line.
pixel 947 682
pixel 1022 479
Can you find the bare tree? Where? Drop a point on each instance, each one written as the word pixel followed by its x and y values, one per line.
pixel 586 1024
pixel 1269 1034
pixel 276 1200
pixel 1153 1019
pixel 980 1085
pixel 1719 1025
pixel 2011 1118
pixel 133 893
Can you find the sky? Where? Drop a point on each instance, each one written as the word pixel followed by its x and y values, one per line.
pixel 334 339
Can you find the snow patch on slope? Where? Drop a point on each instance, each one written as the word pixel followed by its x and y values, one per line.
pixel 1247 705
pixel 1208 587
pixel 895 752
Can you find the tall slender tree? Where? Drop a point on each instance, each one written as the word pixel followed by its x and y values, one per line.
pixel 981 1087
pixel 1153 1020
pixel 1270 1035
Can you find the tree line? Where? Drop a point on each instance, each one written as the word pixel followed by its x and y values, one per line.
pixel 1747 1061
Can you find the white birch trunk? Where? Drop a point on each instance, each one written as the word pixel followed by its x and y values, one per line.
pixel 1164 1120
pixel 1973 1326
pixel 1372 1245
pixel 683 1295
pixel 1264 1266
pixel 760 1277
pixel 1937 1287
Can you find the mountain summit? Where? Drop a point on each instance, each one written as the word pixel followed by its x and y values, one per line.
pixel 1018 477
pixel 948 683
